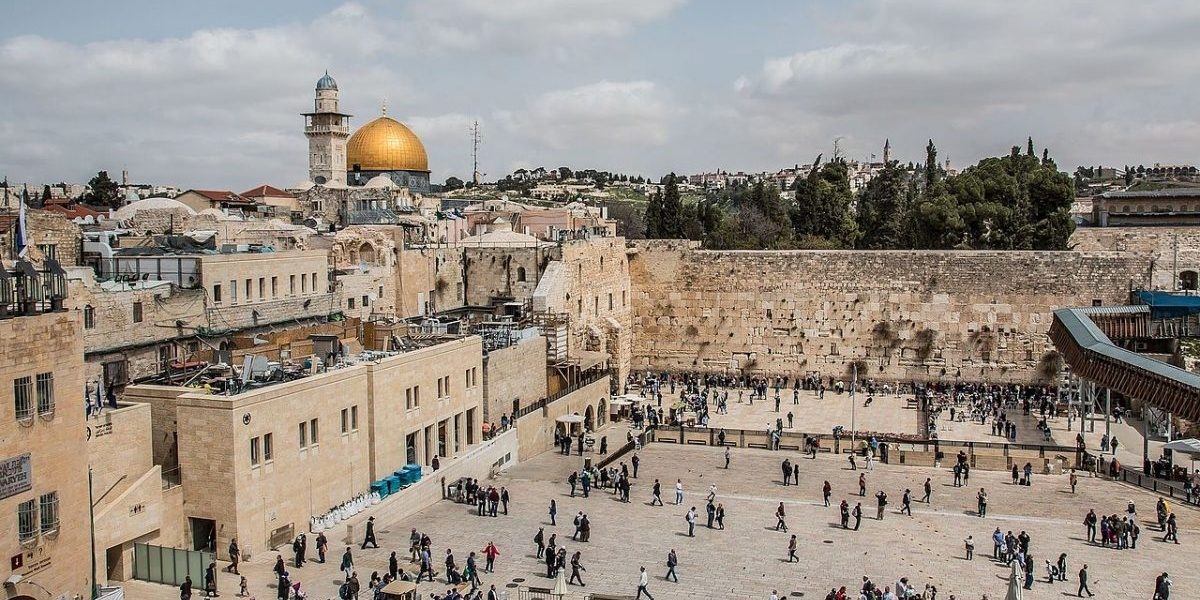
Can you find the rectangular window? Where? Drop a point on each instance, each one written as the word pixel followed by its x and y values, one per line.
pixel 267 447
pixel 233 291
pixel 303 283
pixel 248 291
pixel 366 301
pixel 303 435
pixel 137 312
pixel 26 520
pixel 262 288
pixel 255 456
pixel 467 378
pixel 23 397
pixel 474 376
pixel 408 398
pixel 417 396
pixel 45 393
pixel 345 420
pixel 216 292
pixel 440 391
pixel 314 282
pixel 381 291
pixel 354 418
pixel 622 298
pixel 48 503
pixel 274 287
pixel 292 284
pixel 313 432
pixel 350 303
pixel 610 303
pixel 49 251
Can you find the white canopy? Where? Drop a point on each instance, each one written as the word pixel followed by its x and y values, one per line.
pixel 570 419
pixel 619 402
pixel 1188 446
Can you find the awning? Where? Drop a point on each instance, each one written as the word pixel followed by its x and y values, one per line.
pixel 400 588
pixel 1188 446
pixel 570 419
pixel 619 402
pixel 589 358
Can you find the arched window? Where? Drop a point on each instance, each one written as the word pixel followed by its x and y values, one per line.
pixel 89 317
pixel 1187 280
pixel 520 273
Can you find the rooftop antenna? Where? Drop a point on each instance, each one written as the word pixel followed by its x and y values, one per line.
pixel 837 148
pixel 383 107
pixel 476 176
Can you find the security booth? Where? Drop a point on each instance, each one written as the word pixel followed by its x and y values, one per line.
pixel 399 590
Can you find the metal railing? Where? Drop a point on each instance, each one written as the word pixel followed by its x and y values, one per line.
pixel 171 478
pixel 544 402
pixel 1170 489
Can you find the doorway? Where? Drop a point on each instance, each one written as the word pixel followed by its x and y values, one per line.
pixel 204 534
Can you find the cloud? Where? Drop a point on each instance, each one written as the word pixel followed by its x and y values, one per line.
pixel 980 75
pixel 633 113
pixel 543 26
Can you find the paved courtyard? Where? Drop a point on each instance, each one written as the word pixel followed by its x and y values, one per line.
pixel 748 558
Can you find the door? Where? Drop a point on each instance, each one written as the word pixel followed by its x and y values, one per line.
pixel 204 534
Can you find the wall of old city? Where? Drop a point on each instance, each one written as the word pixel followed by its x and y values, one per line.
pixel 516 373
pixel 498 272
pixel 54 436
pixel 598 299
pixel 898 315
pixel 1171 250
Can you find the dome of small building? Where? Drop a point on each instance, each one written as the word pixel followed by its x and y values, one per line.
pixel 128 211
pixel 326 83
pixel 381 181
pixel 386 144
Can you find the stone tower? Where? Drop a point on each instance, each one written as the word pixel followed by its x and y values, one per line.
pixel 887 151
pixel 327 131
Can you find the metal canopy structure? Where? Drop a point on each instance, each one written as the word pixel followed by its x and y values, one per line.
pixel 1086 347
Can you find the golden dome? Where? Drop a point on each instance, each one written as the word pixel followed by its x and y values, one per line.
pixel 385 144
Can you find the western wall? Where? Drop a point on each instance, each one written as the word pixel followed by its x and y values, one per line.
pixel 896 315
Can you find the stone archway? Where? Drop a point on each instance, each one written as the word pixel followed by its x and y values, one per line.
pixel 601 412
pixel 1188 280
pixel 366 253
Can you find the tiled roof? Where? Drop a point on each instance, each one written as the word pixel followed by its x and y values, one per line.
pixel 266 191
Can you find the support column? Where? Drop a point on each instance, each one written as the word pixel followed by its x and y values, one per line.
pixel 1146 438
pixel 1107 413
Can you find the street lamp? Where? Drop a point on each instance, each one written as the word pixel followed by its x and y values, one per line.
pixel 853 406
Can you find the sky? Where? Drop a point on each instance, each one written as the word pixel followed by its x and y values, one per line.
pixel 209 94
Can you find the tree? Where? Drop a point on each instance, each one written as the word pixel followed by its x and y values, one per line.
pixel 931 165
pixel 654 217
pixel 103 191
pixel 672 210
pixel 565 173
pixel 822 207
pixel 1128 175
pixel 452 183
pixel 1029 148
pixel 45 195
pixel 881 209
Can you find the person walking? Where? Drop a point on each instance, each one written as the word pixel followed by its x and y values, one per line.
pixel 862 484
pixel 969 543
pixel 779 519
pixel 539 538
pixel 678 492
pixel 369 538
pixel 322 546
pixel 690 517
pixel 1089 522
pixel 185 589
pixel 844 509
pixel 826 492
pixel 906 503
pixel 726 457
pixel 235 555
pixel 393 565
pixel 504 499
pixel 1074 480
pixel 643 582
pixel 210 581
pixel 982 499
pixel 1172 529
pixel 928 490
pixel 857 515
pixel 490 552
pixel 1083 583
pixel 576 568
pixel 720 516
pixel 553 511
pixel 656 497
pixel 347 563
pixel 672 561
pixel 792 550
pixel 635 461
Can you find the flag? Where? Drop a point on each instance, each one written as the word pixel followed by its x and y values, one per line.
pixel 22 237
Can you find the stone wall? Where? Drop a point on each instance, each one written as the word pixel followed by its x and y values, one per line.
pixel 898 315
pixel 516 372
pixel 536 429
pixel 1169 249
pixel 430 279
pixel 599 300
pixel 504 273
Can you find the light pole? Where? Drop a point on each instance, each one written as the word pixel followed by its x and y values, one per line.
pixel 853 406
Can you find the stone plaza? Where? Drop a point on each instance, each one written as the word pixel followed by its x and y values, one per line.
pixel 748 559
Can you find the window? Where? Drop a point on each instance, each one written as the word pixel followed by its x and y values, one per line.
pixel 610 302
pixel 274 287
pixel 313 438
pixel 354 418
pixel 520 273
pixel 350 303
pixel 49 507
pixel 137 312
pixel 262 288
pixel 45 393
pixel 408 398
pixel 314 283
pixel 216 292
pixel 622 298
pixel 89 317
pixel 366 301
pixel 255 456
pixel 49 251
pixel 292 284
pixel 303 283
pixel 345 420
pixel 416 396
pixel 303 435
pixel 26 520
pixel 441 393
pixel 381 291
pixel 267 447
pixel 233 291
pixel 248 291
pixel 23 396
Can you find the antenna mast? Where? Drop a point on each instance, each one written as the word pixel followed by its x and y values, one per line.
pixel 476 176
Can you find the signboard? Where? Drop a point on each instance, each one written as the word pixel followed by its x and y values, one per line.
pixel 16 475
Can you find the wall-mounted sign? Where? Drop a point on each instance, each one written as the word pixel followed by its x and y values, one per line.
pixel 16 475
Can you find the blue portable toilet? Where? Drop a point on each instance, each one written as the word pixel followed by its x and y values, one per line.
pixel 394 483
pixel 381 487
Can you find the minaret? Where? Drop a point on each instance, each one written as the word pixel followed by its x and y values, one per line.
pixel 327 131
pixel 887 151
